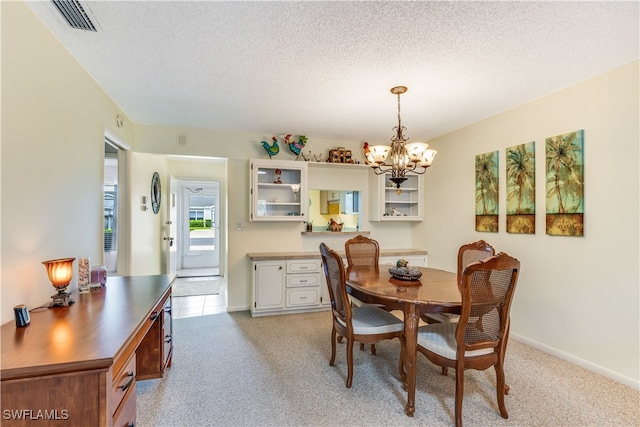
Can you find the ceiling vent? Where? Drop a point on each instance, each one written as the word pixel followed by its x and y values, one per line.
pixel 75 15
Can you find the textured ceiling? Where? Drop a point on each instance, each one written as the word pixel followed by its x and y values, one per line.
pixel 324 69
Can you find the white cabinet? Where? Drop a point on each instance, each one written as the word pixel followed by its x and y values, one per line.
pixel 389 203
pixel 268 285
pixel 294 282
pixel 278 190
pixel 287 286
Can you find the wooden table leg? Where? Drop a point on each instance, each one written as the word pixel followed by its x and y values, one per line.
pixel 411 319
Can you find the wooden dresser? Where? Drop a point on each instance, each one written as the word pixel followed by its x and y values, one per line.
pixel 78 365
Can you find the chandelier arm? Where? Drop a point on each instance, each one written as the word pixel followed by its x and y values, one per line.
pixel 382 169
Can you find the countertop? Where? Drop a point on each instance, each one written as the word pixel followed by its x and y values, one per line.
pixel 274 256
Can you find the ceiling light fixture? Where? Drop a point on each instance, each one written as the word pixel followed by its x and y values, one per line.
pixel 400 158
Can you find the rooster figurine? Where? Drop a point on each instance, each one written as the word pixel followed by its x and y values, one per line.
pixel 272 149
pixel 295 147
pixel 367 150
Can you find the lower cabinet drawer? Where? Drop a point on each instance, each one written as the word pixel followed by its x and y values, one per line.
pixel 295 280
pixel 303 296
pixel 123 381
pixel 125 416
pixel 303 266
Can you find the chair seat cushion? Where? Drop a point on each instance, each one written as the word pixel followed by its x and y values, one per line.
pixel 440 338
pixel 443 317
pixel 369 319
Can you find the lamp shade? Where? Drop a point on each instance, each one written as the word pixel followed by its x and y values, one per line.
pixel 378 154
pixel 428 158
pixel 59 271
pixel 416 151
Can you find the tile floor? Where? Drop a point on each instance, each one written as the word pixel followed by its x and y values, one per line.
pixel 201 305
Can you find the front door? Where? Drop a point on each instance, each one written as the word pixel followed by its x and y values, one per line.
pixel 200 225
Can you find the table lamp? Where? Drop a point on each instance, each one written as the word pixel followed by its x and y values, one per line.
pixel 60 272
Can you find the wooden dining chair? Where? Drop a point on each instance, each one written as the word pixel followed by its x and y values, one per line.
pixel 467 254
pixel 366 324
pixel 479 339
pixel 362 250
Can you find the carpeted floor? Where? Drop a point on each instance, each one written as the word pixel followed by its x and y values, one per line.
pixel 233 370
pixel 190 286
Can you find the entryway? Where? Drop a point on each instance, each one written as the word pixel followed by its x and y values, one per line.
pixel 199 296
pixel 199 229
pixel 199 289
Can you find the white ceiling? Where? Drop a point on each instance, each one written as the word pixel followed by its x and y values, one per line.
pixel 324 69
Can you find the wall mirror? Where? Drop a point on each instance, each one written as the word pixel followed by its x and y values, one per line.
pixel 342 206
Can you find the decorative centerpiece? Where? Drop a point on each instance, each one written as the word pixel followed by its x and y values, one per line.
pixel 402 271
pixel 335 226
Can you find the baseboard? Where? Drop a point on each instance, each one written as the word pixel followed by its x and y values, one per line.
pixel 238 308
pixel 600 370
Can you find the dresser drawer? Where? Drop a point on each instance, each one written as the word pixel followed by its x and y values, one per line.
pixel 125 416
pixel 122 382
pixel 303 266
pixel 302 297
pixel 298 280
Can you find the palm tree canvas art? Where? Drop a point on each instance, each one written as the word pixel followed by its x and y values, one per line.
pixel 487 192
pixel 521 189
pixel 565 184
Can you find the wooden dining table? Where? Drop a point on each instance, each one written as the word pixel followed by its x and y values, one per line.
pixel 435 292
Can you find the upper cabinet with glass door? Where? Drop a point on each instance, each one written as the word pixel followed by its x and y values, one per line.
pixel 279 190
pixel 389 203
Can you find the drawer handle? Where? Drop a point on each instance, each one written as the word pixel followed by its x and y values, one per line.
pixel 303 297
pixel 132 378
pixel 167 338
pixel 167 310
pixel 303 280
pixel 154 316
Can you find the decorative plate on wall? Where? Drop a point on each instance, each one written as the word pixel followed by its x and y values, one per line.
pixel 155 193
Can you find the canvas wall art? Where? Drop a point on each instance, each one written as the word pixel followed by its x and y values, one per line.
pixel 565 184
pixel 521 189
pixel 487 192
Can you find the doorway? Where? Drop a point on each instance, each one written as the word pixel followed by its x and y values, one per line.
pixel 199 229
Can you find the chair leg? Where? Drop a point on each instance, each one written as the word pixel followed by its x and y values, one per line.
pixel 333 347
pixel 445 371
pixel 459 393
pixel 501 390
pixel 349 362
pixel 373 348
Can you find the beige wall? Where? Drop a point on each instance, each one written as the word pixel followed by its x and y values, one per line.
pixel 578 297
pixel 54 117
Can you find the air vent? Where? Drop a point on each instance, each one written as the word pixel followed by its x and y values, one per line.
pixel 75 15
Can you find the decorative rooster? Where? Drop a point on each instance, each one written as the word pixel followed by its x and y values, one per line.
pixel 295 147
pixel 272 149
pixel 366 152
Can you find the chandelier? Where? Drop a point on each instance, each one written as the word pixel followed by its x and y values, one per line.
pixel 400 158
